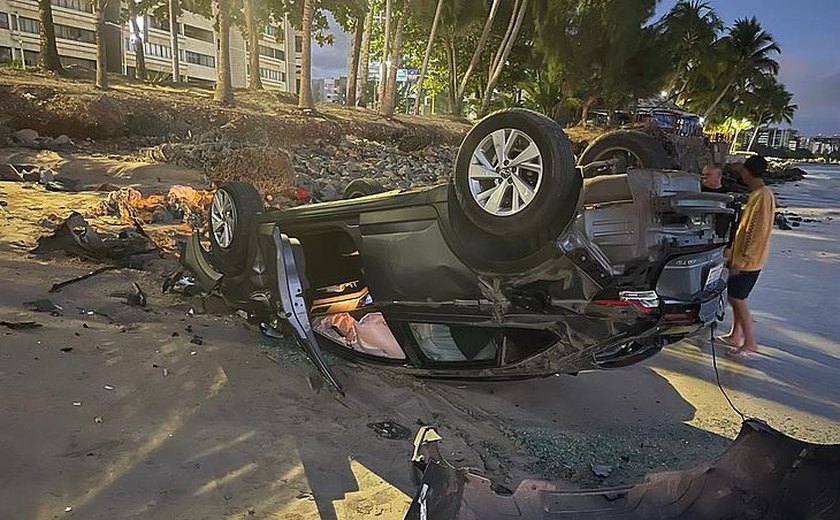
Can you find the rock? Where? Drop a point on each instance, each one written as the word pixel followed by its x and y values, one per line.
pixel 62 141
pixel 602 470
pixel 27 136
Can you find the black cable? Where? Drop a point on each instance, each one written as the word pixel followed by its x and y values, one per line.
pixel 717 375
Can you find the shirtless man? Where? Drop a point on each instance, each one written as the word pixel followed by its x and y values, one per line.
pixel 750 250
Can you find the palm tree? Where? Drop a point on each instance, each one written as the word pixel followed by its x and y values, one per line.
pixel 772 103
pixel 502 53
pixel 252 34
pixel 364 61
pixel 429 45
pixel 48 58
pixel 748 50
pixel 174 10
pixel 691 27
pixel 99 7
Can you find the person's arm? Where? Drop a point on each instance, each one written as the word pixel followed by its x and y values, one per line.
pixel 757 233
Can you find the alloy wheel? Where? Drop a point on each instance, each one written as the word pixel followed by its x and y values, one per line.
pixel 223 218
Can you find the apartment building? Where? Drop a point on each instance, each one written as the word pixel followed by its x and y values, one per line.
pixel 279 46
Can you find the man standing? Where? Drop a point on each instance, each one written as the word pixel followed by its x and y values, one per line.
pixel 712 178
pixel 749 253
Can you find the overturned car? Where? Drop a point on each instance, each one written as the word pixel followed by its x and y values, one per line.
pixel 516 268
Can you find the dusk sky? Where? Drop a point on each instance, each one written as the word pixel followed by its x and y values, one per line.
pixel 808 32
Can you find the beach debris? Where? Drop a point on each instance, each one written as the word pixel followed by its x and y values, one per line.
pixel 66 349
pixel 179 204
pixel 602 470
pixel 136 298
pixel 44 305
pixel 20 325
pixel 68 509
pixel 77 403
pixel 197 340
pixel 130 248
pixel 97 419
pixel 56 287
pixel 390 430
pixel 109 387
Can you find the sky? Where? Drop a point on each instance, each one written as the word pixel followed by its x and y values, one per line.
pixel 808 32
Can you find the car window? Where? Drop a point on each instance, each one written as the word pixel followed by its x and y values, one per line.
pixel 370 334
pixel 441 342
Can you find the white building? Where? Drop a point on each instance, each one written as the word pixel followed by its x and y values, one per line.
pixel 197 42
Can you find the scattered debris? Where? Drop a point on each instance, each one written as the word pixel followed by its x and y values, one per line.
pixel 20 325
pixel 44 305
pixel 390 430
pixel 137 298
pixel 197 340
pixel 77 403
pixel 66 349
pixel 98 419
pixel 56 287
pixel 179 282
pixel 130 248
pixel 109 387
pixel 180 204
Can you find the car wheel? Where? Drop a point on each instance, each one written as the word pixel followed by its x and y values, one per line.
pixel 361 188
pixel 233 212
pixel 635 149
pixel 515 173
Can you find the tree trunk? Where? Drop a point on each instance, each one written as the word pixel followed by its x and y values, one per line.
pixel 101 46
pixel 389 102
pixel 353 66
pixel 364 63
pixel 139 51
pixel 454 107
pixel 755 134
pixel 252 32
pixel 516 18
pixel 48 58
pixel 305 96
pixel 584 113
pixel 479 48
pixel 174 11
pixel 501 48
pixel 419 95
pixel 385 68
pixel 224 89
pixel 711 110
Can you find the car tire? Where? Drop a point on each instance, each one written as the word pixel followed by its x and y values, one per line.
pixel 641 150
pixel 362 188
pixel 532 182
pixel 232 215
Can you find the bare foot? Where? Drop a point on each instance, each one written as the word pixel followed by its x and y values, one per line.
pixel 732 341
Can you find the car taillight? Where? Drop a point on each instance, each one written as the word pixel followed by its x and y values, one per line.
pixel 645 301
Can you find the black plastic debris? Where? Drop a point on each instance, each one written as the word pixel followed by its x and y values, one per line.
pixel 20 325
pixel 130 248
pixel 135 298
pixel 390 430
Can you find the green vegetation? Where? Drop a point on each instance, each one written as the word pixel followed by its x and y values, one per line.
pixel 561 57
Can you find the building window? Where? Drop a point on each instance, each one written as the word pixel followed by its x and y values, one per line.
pixel 269 30
pixel 161 24
pixel 29 25
pixel 4 20
pixel 271 52
pixel 200 59
pixel 76 5
pixel 298 43
pixel 198 33
pixel 5 54
pixel 272 75
pixel 157 50
pixel 67 61
pixel 67 32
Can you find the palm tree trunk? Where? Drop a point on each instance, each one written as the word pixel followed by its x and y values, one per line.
pixel 389 102
pixel 516 18
pixel 711 110
pixel 101 46
pixel 252 30
pixel 139 51
pixel 364 63
pixel 419 96
pixel 755 134
pixel 353 66
pixel 174 10
pixel 454 107
pixel 224 89
pixel 479 48
pixel 385 68
pixel 305 96
pixel 48 59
